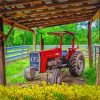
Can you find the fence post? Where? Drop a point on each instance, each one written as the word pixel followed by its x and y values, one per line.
pixel 98 70
pixel 22 51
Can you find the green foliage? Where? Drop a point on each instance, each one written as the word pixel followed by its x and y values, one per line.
pixel 95 31
pixel 18 37
pixel 50 39
pixel 90 75
pixel 22 37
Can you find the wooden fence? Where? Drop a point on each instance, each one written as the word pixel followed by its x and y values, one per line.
pixel 96 54
pixel 18 52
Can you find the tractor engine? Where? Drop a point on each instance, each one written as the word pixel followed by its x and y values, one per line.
pixel 53 62
pixel 42 60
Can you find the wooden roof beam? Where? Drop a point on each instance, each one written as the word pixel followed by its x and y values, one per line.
pixel 59 23
pixel 10 22
pixel 66 10
pixel 62 23
pixel 96 15
pixel 26 20
pixel 18 2
pixel 38 24
pixel 55 19
pixel 41 6
pixel 22 9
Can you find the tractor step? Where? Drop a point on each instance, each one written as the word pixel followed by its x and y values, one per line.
pixel 62 66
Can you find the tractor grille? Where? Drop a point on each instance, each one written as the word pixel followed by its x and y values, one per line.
pixel 35 60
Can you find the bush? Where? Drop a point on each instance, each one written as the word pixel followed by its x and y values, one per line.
pixel 50 92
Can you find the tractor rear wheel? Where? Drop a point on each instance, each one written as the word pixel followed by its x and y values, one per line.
pixel 76 63
pixel 57 76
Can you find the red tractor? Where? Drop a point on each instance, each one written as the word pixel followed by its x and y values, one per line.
pixel 56 59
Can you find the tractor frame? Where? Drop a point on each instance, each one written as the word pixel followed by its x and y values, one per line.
pixel 54 60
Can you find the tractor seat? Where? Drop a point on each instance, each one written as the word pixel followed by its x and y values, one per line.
pixel 63 58
pixel 64 53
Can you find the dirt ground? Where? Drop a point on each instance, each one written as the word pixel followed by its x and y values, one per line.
pixel 69 79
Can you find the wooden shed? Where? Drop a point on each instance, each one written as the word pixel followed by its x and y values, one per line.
pixel 30 14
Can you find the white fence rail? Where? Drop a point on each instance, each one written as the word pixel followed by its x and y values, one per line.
pixel 18 52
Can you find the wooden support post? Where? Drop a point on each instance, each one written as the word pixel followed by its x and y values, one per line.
pixel 90 44
pixel 42 43
pixel 34 40
pixel 2 57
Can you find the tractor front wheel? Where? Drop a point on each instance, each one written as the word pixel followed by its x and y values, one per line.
pixel 76 63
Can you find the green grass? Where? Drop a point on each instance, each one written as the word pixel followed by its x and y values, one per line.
pixel 15 70
pixel 89 73
pixel 86 63
pixel 18 79
pixel 90 76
